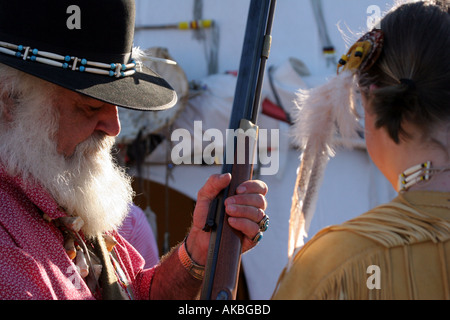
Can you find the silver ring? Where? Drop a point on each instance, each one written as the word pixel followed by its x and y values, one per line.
pixel 264 224
pixel 258 237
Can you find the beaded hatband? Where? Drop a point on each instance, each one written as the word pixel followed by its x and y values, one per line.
pixel 68 62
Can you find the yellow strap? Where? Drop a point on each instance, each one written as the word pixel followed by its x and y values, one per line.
pixel 197 24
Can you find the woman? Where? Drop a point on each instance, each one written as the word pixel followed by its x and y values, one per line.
pixel 400 250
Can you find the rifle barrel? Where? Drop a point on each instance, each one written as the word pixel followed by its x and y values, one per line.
pixel 224 256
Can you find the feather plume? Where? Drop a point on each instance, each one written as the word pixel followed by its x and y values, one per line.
pixel 322 113
pixel 140 56
pixel 325 111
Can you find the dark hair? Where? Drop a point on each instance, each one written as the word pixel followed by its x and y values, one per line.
pixel 412 75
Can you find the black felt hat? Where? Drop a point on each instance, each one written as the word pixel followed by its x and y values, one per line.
pixel 84 46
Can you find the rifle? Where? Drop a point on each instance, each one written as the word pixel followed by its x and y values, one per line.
pixel 225 247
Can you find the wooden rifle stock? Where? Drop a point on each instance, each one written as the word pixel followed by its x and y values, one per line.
pixel 225 248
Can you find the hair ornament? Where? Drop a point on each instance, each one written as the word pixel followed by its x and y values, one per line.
pixel 364 53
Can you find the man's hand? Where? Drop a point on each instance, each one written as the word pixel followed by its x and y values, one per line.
pixel 245 210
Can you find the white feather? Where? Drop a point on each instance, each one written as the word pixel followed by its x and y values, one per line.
pixel 325 111
pixel 321 114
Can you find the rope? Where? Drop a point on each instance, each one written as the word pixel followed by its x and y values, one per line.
pixel 327 45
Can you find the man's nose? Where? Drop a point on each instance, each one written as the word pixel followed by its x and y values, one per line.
pixel 108 120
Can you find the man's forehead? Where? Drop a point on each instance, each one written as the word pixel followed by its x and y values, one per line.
pixel 79 97
pixel 87 99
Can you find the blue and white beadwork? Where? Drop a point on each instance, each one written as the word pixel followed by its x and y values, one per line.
pixel 117 70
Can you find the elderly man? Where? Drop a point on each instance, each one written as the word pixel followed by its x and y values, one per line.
pixel 65 67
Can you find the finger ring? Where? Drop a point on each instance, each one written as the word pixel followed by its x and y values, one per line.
pixel 258 237
pixel 264 224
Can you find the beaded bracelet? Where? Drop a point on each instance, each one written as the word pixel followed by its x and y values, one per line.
pixel 195 270
pixel 117 70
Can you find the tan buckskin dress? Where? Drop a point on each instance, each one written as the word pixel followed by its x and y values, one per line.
pixel 402 248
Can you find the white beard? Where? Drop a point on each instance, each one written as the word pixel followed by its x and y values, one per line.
pixel 89 184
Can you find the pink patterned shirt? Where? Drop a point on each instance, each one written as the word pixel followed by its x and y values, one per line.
pixel 33 262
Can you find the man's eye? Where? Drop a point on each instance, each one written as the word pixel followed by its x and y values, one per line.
pixel 94 109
